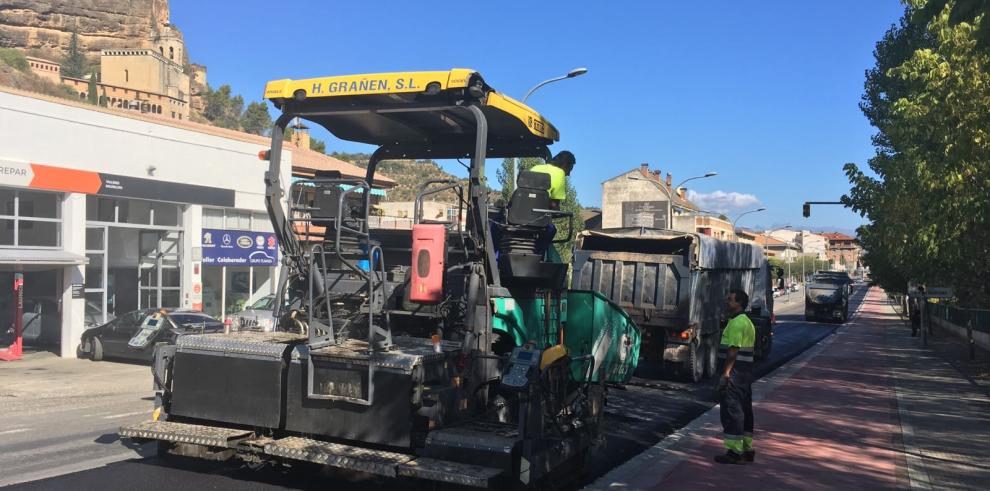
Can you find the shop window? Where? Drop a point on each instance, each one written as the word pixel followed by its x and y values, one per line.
pixel 260 222
pixel 166 214
pixel 170 298
pixel 94 271
pixel 29 218
pixel 37 204
pixel 212 218
pixel 7 197
pixel 37 234
pixel 238 289
pixel 261 282
pixel 6 232
pixel 238 220
pixel 134 211
pixel 100 209
pixel 95 308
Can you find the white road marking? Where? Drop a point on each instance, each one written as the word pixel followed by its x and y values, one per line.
pixel 122 415
pixel 16 430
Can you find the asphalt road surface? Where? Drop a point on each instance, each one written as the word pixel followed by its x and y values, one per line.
pixel 637 418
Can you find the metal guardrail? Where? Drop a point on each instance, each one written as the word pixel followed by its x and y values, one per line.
pixel 980 318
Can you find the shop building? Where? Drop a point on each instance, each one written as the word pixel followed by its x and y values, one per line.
pixel 105 213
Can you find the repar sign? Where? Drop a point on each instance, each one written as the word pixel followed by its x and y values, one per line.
pixel 15 173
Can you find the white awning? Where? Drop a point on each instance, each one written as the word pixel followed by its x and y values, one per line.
pixel 40 257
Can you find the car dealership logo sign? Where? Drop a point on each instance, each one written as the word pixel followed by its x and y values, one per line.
pixel 239 248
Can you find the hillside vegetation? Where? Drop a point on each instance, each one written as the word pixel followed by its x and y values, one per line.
pixel 409 174
pixel 16 73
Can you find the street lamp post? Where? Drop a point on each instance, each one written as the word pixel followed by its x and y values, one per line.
pixel 707 174
pixel 577 72
pixel 734 222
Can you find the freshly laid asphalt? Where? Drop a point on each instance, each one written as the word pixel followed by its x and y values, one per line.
pixel 637 418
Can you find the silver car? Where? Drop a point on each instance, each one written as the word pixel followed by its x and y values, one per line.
pixel 259 316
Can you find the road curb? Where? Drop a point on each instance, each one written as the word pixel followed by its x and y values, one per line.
pixel 651 466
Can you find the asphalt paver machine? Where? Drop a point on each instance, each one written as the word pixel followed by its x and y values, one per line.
pixel 451 352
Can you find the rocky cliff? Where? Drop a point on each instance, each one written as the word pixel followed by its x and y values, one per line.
pixel 43 28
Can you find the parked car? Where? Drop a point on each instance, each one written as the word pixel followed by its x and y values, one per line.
pixel 134 335
pixel 259 316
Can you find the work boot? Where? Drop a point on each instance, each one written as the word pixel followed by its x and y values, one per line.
pixel 730 457
pixel 749 456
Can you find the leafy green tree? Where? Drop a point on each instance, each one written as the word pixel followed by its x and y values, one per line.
pixel 956 12
pixel 74 64
pixel 256 119
pixel 317 145
pixel 91 96
pixel 222 108
pixel 927 200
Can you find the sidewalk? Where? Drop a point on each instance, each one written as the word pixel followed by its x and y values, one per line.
pixel 868 408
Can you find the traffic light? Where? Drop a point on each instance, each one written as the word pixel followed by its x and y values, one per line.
pixel 807 210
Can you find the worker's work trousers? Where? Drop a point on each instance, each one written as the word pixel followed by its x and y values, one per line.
pixel 545 239
pixel 736 409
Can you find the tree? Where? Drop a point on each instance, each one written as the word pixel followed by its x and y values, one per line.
pixel 256 119
pixel 91 89
pixel 223 109
pixel 317 145
pixel 958 11
pixel 929 97
pixel 507 179
pixel 573 206
pixel 74 64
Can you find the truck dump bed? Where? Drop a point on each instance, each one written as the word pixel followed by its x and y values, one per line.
pixel 648 272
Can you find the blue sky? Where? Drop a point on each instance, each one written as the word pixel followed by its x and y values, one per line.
pixel 765 93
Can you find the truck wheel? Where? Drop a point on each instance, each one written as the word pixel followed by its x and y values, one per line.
pixel 694 368
pixel 97 353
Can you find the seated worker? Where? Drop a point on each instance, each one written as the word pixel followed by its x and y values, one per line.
pixel 559 167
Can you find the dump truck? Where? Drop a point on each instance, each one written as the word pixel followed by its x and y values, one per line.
pixel 674 286
pixel 827 297
pixel 452 352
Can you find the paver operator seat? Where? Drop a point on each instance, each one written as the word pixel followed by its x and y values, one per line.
pixel 527 216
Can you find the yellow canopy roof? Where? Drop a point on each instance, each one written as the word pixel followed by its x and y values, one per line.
pixel 414 110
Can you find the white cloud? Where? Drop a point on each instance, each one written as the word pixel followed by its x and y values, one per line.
pixel 723 202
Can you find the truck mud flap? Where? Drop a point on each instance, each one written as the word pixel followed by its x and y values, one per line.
pixel 380 462
pixel 210 436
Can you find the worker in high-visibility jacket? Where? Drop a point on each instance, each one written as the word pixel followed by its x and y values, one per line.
pixel 735 384
pixel 558 168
